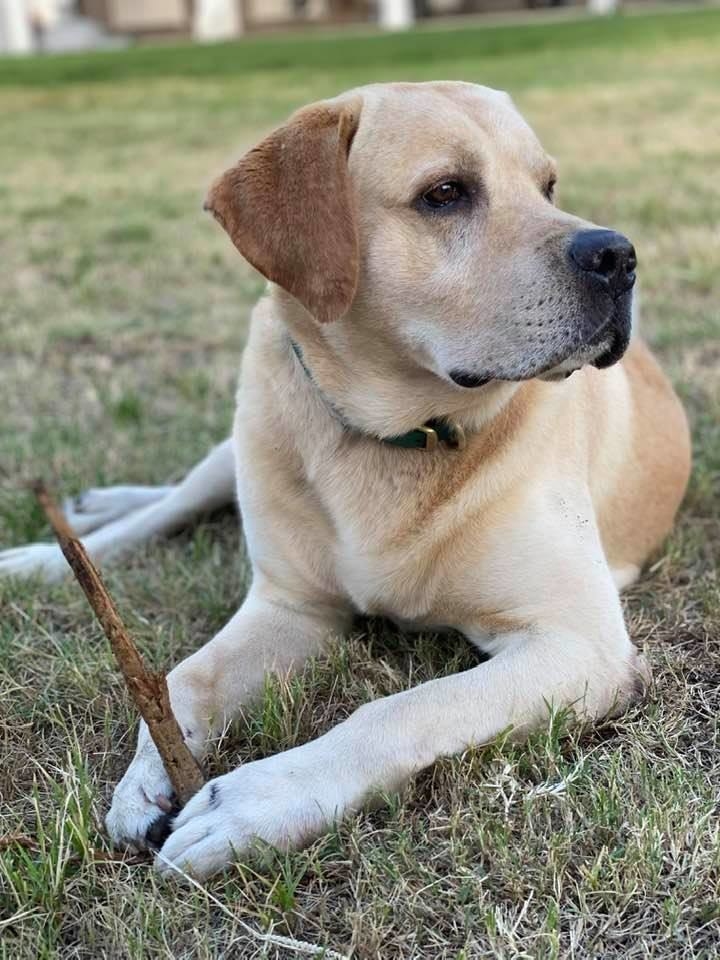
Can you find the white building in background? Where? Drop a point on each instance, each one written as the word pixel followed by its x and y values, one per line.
pixel 15 32
pixel 396 14
pixel 22 20
pixel 217 20
pixel 55 25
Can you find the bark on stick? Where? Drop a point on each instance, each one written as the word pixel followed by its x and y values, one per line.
pixel 148 690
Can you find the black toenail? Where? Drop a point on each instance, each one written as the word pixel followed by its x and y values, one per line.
pixel 214 800
pixel 159 830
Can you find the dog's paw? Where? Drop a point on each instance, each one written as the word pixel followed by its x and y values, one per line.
pixel 42 560
pixel 139 814
pixel 275 800
pixel 99 506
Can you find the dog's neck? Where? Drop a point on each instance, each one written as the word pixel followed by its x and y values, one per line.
pixel 428 436
pixel 373 387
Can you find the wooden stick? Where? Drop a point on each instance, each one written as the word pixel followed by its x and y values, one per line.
pixel 148 690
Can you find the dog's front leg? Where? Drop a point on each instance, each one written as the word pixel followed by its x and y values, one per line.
pixel 272 632
pixel 293 796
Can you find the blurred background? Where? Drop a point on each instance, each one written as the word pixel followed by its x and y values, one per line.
pixel 56 25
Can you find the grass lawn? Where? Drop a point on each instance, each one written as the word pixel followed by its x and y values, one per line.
pixel 123 311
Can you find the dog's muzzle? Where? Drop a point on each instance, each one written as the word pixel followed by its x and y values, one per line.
pixel 606 262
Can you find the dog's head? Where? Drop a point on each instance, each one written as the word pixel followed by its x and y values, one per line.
pixel 429 208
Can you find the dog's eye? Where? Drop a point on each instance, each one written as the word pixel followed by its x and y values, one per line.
pixel 549 190
pixel 444 194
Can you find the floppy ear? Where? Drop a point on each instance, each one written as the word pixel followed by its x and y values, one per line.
pixel 289 209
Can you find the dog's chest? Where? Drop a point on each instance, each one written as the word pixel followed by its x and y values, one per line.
pixel 396 532
pixel 396 545
pixel 386 582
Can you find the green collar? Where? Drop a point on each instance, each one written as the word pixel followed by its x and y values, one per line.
pixel 429 435
pixel 426 437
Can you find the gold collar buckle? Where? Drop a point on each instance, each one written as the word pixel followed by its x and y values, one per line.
pixel 459 440
pixel 431 438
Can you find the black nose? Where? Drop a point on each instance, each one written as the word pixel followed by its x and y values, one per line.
pixel 607 257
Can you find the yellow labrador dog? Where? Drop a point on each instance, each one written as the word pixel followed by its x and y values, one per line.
pixel 442 419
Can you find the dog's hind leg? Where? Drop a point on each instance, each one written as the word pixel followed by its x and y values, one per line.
pixel 99 506
pixel 208 486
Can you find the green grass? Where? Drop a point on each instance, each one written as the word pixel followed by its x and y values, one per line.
pixel 343 51
pixel 123 312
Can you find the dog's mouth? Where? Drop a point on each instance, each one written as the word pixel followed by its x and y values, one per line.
pixel 605 351
pixel 615 336
pixel 600 348
pixel 605 348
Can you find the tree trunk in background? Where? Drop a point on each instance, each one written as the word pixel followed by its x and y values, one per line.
pixel 396 14
pixel 341 9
